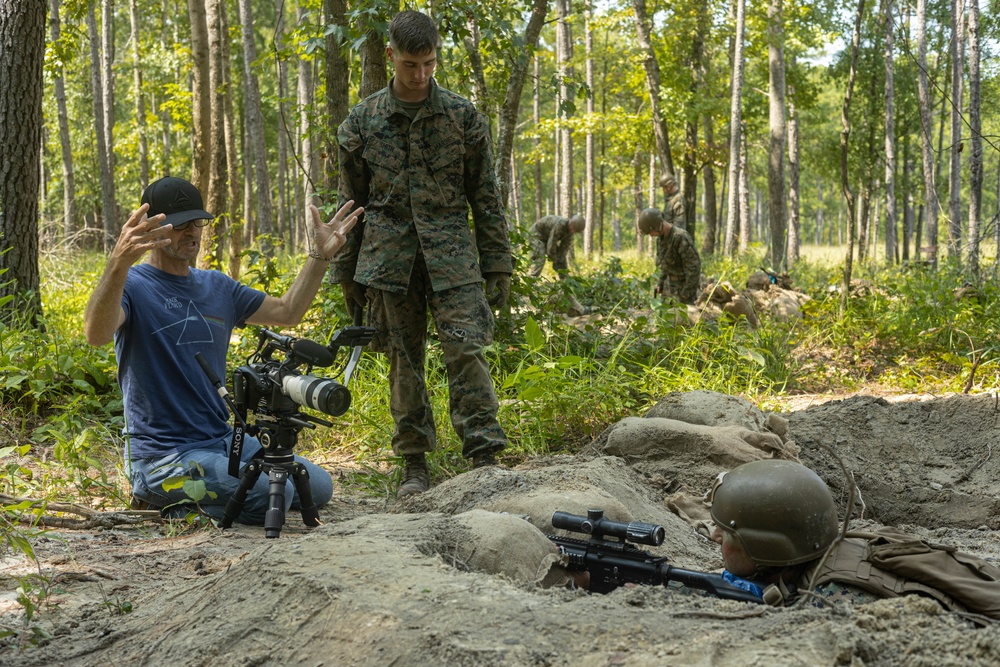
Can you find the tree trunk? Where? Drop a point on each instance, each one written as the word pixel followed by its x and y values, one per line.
pixel 711 207
pixel 507 122
pixel 211 253
pixel 108 94
pixel 471 43
pixel 236 210
pixel 565 204
pixel 976 141
pixel 373 75
pixel 845 135
pixel 733 218
pixel 140 97
pixel 255 123
pixel 776 150
pixel 955 171
pixel 305 91
pixel 820 212
pixel 338 74
pixel 104 167
pixel 22 32
pixel 69 186
pixel 588 234
pixel 201 96
pixel 537 117
pixel 652 69
pixel 637 197
pixel 794 220
pixel 282 224
pixel 890 141
pixel 746 228
pixel 696 69
pixel 927 153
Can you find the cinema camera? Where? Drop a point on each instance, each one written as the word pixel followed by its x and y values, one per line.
pixel 268 392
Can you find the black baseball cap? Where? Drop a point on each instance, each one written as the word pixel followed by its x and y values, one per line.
pixel 180 200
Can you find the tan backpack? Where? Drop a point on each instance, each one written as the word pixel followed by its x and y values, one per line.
pixel 890 563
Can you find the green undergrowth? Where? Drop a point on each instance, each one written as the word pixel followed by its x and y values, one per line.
pixel 560 383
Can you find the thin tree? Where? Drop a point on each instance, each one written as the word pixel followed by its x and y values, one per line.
pixel 794 219
pixel 211 252
pixel 564 206
pixel 507 121
pixel 69 185
pixel 776 146
pixel 845 135
pixel 255 121
pixel 22 32
pixel 337 78
pixel 976 140
pixel 890 141
pixel 140 98
pixel 236 210
pixel 588 234
pixel 955 166
pixel 652 69
pixel 926 152
pixel 735 125
pixel 108 205
pixel 201 95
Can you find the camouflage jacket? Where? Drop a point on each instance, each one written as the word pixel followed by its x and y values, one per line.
pixel 554 235
pixel 679 264
pixel 417 181
pixel 673 212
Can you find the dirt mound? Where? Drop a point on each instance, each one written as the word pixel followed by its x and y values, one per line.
pixel 450 576
pixel 926 462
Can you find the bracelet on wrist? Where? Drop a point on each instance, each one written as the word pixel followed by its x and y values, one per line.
pixel 315 255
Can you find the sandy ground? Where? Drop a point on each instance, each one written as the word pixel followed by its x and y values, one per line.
pixel 427 582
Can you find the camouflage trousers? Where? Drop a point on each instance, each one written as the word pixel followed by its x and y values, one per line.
pixel 464 324
pixel 538 258
pixel 674 286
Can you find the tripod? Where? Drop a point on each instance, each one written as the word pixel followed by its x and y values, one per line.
pixel 278 462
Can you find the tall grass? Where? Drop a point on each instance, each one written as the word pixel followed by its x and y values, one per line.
pixel 560 383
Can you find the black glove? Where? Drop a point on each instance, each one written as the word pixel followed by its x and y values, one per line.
pixel 497 288
pixel 354 296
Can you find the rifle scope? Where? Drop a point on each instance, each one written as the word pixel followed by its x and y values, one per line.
pixel 597 526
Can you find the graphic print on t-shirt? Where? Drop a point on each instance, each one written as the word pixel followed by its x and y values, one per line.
pixel 192 328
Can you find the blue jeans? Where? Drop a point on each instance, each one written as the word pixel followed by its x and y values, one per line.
pixel 211 465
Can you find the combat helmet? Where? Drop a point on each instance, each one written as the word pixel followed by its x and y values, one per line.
pixel 577 224
pixel 668 180
pixel 650 220
pixel 781 512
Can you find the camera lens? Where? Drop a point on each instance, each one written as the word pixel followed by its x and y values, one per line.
pixel 323 394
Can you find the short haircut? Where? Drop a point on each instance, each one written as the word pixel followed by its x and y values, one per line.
pixel 413 32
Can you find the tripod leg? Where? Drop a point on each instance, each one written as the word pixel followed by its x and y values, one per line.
pixel 234 505
pixel 310 513
pixel 274 518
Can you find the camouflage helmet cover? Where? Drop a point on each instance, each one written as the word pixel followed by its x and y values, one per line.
pixel 577 223
pixel 650 220
pixel 781 512
pixel 668 180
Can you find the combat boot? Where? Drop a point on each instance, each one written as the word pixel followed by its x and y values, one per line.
pixel 483 459
pixel 416 477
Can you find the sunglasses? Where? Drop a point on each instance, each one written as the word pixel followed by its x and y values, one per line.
pixel 184 225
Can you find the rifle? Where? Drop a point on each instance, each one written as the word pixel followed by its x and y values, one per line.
pixel 614 563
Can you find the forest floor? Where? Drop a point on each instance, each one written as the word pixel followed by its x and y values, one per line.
pixel 387 583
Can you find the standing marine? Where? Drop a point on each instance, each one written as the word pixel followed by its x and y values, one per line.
pixel 418 158
pixel 676 257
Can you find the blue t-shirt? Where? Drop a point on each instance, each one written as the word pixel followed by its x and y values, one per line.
pixel 170 405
